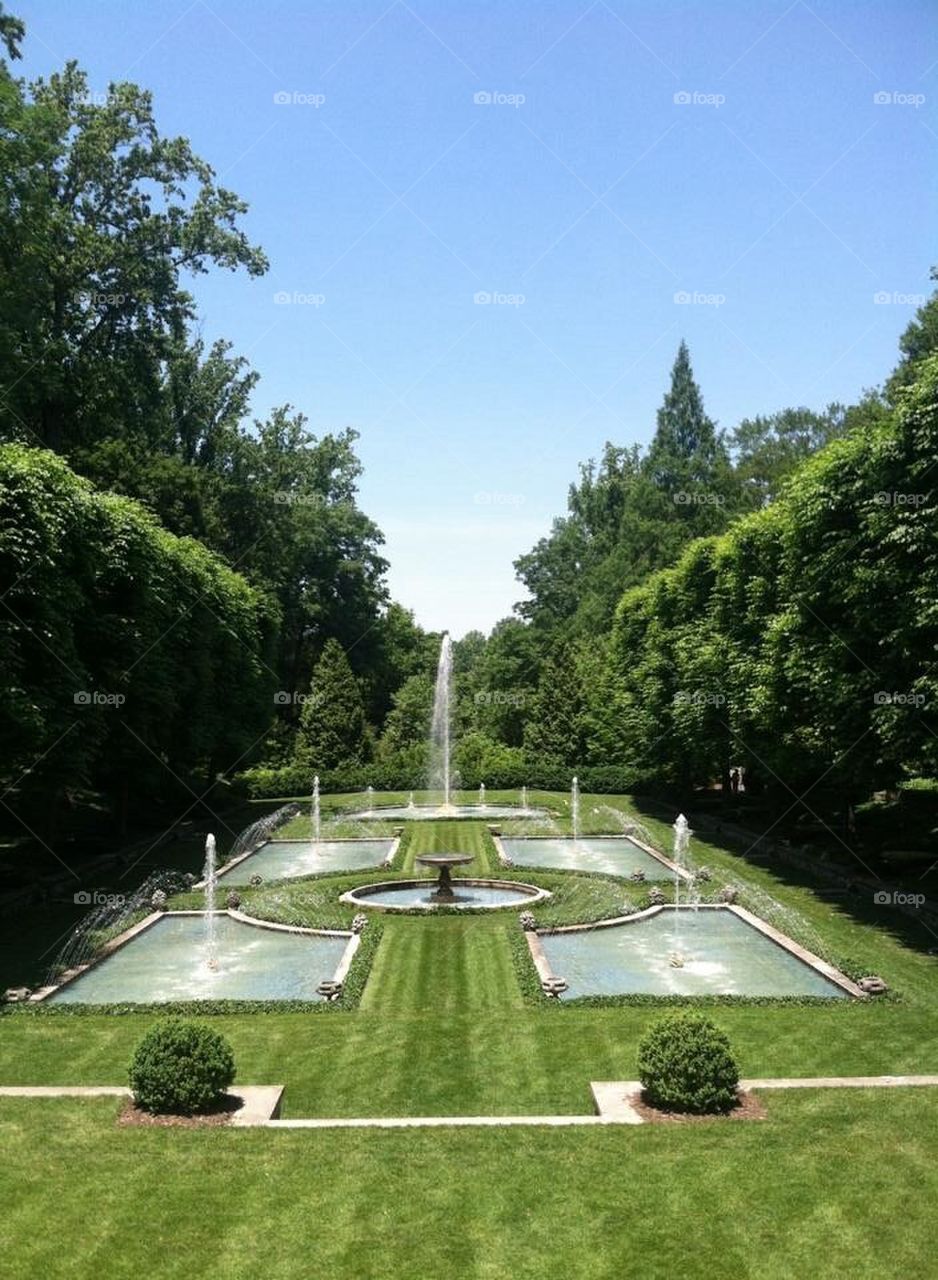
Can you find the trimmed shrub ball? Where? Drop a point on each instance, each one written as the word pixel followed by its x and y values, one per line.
pixel 180 1068
pixel 685 1064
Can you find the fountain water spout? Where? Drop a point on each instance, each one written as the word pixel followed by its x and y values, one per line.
pixel 440 729
pixel 682 835
pixel 211 944
pixel 316 818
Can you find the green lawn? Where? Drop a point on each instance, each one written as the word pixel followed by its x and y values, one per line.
pixel 832 1184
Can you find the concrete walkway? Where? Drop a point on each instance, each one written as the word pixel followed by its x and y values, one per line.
pixel 63 1091
pixel 837 1082
pixel 259 1102
pixel 450 1122
pixel 612 1098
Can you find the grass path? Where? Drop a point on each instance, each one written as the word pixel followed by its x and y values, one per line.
pixel 452 837
pixel 443 967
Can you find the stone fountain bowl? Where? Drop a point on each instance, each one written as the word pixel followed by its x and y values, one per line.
pixel 410 895
pixel 444 859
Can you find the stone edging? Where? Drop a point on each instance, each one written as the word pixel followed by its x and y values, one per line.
pixel 368 890
pixel 611 1098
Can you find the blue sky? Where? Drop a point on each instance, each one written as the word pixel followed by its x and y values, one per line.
pixel 610 176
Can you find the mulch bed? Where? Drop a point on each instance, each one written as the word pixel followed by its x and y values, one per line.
pixel 749 1108
pixel 132 1115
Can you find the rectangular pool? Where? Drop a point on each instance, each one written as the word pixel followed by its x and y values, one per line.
pixel 613 855
pixel 168 961
pixel 722 955
pixel 286 859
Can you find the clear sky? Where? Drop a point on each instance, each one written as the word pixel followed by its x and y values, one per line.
pixel 581 164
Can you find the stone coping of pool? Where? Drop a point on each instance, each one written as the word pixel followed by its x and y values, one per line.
pixel 546 974
pixel 672 866
pixel 612 1099
pixel 122 939
pixel 386 861
pixel 359 896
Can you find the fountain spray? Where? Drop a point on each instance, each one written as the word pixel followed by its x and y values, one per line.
pixel 211 946
pixel 682 834
pixel 317 822
pixel 575 807
pixel 440 727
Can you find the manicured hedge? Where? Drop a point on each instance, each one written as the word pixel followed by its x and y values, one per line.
pixel 181 1068
pixel 685 1064
pixel 293 780
pixel 135 654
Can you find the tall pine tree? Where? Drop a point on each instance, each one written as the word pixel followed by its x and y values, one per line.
pixel 554 727
pixel 686 455
pixel 332 722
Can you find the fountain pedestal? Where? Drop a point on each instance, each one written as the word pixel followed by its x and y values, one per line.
pixel 444 862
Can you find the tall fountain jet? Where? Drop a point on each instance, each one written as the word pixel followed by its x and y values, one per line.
pixel 314 812
pixel 682 835
pixel 440 728
pixel 211 946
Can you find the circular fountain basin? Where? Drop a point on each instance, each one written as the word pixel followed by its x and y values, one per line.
pixel 405 895
pixel 419 812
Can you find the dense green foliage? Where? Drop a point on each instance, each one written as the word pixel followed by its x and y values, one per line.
pixel 104 223
pixel 121 642
pixel 181 1068
pixel 332 722
pixel 685 1064
pixel 802 641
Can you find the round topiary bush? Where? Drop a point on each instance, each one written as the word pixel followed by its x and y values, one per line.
pixel 685 1064
pixel 181 1067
